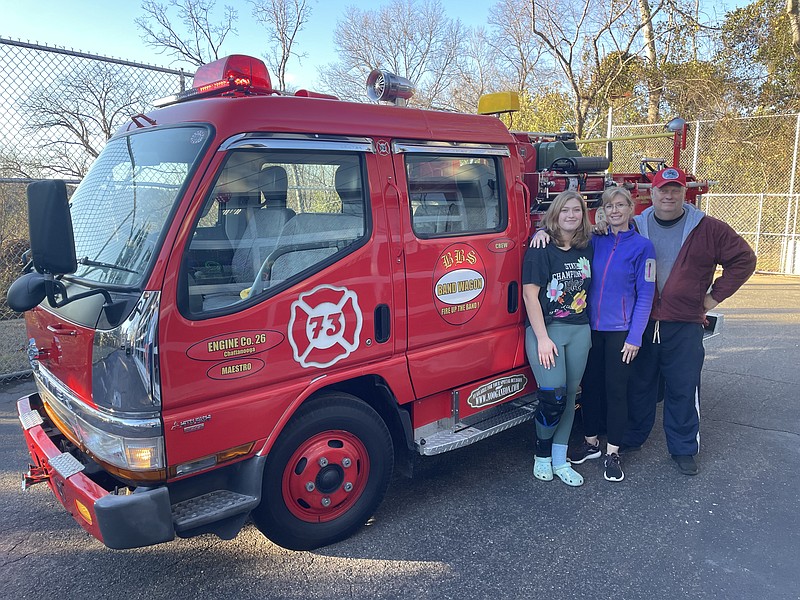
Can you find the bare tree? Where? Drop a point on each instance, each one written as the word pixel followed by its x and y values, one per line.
pixel 283 19
pixel 202 39
pixel 77 115
pixel 514 47
pixel 592 44
pixel 654 86
pixel 413 39
pixel 478 72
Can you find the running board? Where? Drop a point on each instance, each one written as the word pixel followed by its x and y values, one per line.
pixel 440 438
pixel 210 508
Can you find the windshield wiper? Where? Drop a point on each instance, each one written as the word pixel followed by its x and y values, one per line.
pixel 94 263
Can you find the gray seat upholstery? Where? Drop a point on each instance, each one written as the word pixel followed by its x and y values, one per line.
pixel 349 188
pixel 433 213
pixel 265 213
pixel 265 221
pixel 310 238
pixel 477 185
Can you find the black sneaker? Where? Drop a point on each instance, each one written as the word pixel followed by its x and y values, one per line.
pixel 613 470
pixel 686 463
pixel 584 452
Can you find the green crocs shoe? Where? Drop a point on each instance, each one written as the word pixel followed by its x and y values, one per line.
pixel 568 475
pixel 543 468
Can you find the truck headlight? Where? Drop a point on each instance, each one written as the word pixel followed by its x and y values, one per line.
pixel 134 454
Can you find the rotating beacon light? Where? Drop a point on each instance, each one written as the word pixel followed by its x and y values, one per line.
pixel 236 74
pixel 678 128
pixel 388 87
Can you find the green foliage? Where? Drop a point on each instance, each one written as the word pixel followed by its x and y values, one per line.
pixel 698 89
pixel 757 51
pixel 546 112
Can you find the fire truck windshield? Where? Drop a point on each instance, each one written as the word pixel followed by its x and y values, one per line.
pixel 120 209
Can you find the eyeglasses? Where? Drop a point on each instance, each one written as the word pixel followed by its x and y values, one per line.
pixel 618 206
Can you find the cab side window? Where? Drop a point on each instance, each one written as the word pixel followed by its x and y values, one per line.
pixel 270 220
pixel 451 196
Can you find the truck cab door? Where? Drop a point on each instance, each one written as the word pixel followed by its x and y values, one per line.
pixel 463 257
pixel 281 278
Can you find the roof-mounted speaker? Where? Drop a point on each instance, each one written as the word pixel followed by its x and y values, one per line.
pixel 387 87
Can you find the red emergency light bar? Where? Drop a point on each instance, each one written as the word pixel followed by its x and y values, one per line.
pixel 236 72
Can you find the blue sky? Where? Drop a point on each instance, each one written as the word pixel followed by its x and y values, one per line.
pixel 107 27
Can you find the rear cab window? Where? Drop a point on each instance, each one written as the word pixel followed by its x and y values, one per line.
pixel 454 195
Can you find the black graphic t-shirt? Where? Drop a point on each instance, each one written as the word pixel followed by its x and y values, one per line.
pixel 564 277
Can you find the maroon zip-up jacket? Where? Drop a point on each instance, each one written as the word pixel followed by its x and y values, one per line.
pixel 707 242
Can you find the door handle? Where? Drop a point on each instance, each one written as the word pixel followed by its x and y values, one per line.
pixel 513 297
pixel 62 330
pixel 383 323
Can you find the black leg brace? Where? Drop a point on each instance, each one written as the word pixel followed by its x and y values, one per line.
pixel 552 404
pixel 544 448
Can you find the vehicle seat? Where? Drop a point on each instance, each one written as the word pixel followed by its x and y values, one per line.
pixel 435 214
pixel 478 187
pixel 265 221
pixel 348 186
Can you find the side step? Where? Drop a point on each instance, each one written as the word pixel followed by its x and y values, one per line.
pixel 211 507
pixel 477 427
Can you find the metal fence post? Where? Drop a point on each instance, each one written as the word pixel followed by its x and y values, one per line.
pixel 786 245
pixel 758 222
pixel 696 146
pixel 794 156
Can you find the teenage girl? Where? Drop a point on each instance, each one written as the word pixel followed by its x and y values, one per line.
pixel 555 282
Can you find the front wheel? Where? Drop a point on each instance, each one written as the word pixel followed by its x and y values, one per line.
pixel 326 474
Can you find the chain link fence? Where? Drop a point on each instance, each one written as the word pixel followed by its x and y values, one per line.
pixel 59 108
pixel 754 164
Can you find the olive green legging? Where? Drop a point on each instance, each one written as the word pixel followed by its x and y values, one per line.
pixel 573 343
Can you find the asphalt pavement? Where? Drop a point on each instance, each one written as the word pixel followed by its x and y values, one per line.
pixel 475 524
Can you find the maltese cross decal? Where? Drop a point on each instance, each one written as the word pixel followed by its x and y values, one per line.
pixel 325 326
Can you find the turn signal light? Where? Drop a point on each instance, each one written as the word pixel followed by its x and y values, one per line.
pixel 83 511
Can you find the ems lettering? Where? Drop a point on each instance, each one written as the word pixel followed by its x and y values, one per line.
pixel 458 257
pixel 454 287
pixel 237 368
pixel 469 285
pixel 227 344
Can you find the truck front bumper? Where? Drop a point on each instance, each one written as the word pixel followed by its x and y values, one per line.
pixel 142 518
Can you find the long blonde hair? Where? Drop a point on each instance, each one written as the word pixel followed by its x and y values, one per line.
pixel 582 236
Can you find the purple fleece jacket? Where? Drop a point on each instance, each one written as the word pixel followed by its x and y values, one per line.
pixel 623 284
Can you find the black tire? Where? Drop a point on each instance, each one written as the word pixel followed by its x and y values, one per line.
pixel 332 441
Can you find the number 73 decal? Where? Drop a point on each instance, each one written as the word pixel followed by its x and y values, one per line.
pixel 325 326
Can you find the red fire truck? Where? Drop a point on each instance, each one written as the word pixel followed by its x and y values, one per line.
pixel 262 304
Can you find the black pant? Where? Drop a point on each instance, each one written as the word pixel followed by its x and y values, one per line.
pixel 606 378
pixel 677 355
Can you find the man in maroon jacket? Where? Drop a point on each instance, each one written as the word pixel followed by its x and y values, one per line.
pixel 689 246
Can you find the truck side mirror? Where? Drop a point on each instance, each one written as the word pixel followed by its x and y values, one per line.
pixel 52 247
pixel 26 292
pixel 50 227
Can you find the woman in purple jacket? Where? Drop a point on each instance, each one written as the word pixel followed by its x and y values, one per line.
pixel 620 299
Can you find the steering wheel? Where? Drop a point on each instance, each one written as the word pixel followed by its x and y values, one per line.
pixel 264 273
